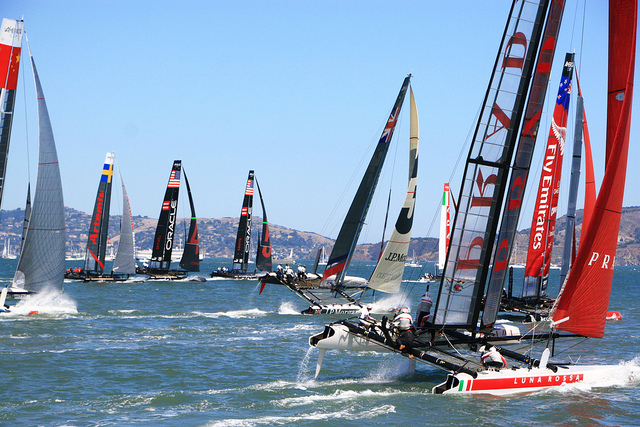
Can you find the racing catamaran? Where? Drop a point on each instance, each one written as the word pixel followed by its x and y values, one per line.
pixel 240 266
pixel 334 284
pixel 469 299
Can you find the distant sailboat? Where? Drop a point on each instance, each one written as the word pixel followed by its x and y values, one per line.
pixel 163 242
pixel 97 239
pixel 41 265
pixel 240 266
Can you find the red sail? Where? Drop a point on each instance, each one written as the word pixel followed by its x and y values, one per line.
pixel 583 303
pixel 544 216
pixel 589 176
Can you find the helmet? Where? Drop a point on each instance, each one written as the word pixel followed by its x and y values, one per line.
pixel 405 310
pixel 369 306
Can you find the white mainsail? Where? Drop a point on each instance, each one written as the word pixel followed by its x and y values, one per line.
pixel 387 275
pixel 125 262
pixel 41 263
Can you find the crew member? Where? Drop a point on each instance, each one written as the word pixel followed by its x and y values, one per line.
pixel 403 320
pixel 491 357
pixel 365 316
pixel 423 312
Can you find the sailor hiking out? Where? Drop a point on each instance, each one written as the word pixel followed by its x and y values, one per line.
pixel 365 316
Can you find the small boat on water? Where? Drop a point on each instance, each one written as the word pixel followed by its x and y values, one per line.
pixel 263 263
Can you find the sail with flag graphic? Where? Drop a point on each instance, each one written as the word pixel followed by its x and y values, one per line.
pixel 99 225
pixel 544 216
pixel 165 231
pixel 347 239
pixel 10 52
pixel 243 238
pixel 387 275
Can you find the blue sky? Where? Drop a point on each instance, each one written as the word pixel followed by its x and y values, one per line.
pixel 299 91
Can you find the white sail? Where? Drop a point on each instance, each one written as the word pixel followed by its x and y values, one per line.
pixel 41 262
pixel 125 262
pixel 387 275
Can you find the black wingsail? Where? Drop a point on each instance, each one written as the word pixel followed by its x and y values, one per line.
pixel 191 255
pixel 99 225
pixel 243 240
pixel 165 231
pixel 263 257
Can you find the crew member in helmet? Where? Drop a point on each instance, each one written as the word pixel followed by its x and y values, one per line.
pixel 491 357
pixel 403 320
pixel 365 315
pixel 423 312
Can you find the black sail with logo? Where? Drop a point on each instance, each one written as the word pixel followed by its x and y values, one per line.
pixel 165 231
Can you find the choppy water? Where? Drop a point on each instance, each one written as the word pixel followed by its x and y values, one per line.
pixel 220 354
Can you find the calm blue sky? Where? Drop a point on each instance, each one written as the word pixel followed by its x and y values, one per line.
pixel 297 90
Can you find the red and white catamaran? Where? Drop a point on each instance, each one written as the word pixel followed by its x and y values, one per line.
pixel 469 297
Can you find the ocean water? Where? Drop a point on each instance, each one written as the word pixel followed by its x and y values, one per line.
pixel 220 354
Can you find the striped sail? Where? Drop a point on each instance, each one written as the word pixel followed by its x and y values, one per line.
pixel 125 261
pixel 41 263
pixel 10 48
pixel 387 276
pixel 99 225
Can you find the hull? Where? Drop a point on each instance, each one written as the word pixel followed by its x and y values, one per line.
pixel 338 337
pixel 524 380
pixel 234 274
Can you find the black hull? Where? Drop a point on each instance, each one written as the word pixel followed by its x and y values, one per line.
pixel 235 274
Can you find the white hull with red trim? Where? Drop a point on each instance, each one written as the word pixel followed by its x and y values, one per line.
pixel 525 380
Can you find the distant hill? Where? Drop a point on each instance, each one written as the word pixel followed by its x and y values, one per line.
pixel 217 237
